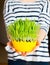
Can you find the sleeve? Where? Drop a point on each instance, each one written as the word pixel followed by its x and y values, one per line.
pixel 8 14
pixel 44 17
pixel 8 18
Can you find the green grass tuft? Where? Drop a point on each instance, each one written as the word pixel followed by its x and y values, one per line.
pixel 23 30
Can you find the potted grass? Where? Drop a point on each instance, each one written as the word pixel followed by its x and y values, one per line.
pixel 23 34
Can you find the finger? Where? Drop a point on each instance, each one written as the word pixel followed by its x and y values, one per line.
pixel 9 43
pixel 13 49
pixel 37 43
pixel 23 53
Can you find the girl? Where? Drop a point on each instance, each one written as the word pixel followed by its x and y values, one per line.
pixel 32 9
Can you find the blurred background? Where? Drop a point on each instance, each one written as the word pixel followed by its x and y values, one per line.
pixel 3 37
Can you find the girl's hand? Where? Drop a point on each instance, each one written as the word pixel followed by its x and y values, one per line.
pixel 37 45
pixel 10 44
pixel 41 36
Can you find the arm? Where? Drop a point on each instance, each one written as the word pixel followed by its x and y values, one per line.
pixel 42 35
pixel 44 21
pixel 8 18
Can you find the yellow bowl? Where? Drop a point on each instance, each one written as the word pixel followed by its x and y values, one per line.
pixel 22 46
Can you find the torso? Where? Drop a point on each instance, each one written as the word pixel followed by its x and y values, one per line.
pixel 31 11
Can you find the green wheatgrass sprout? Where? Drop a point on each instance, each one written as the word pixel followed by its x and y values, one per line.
pixel 23 30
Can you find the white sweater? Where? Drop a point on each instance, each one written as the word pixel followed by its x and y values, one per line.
pixel 39 11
